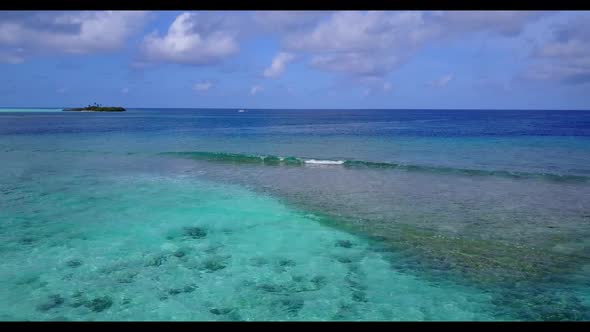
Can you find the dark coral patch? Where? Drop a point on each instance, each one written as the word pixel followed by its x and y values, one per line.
pixel 195 232
pixel 292 305
pixel 74 263
pixel 54 301
pixel 319 281
pixel 359 296
pixel 298 278
pixel 185 289
pixel 270 288
pixel 175 291
pixel 344 260
pixel 156 260
pixel 344 244
pixel 189 288
pixel 221 311
pixel 214 264
pixel 127 278
pixel 259 261
pixel 287 262
pixel 27 240
pixel 99 304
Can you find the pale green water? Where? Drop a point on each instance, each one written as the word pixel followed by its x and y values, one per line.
pixel 126 241
pixel 29 110
pixel 171 215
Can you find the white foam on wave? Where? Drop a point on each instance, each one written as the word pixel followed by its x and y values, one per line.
pixel 324 162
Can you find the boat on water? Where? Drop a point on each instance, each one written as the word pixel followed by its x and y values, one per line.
pixel 241 111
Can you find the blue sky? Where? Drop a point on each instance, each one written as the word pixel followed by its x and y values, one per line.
pixel 416 59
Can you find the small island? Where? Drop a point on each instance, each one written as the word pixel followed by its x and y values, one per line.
pixel 96 108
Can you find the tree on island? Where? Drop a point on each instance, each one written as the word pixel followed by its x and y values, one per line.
pixel 96 107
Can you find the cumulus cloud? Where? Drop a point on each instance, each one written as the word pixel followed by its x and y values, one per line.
pixel 25 34
pixel 360 31
pixel 11 58
pixel 254 90
pixel 279 62
pixel 193 39
pixel 355 63
pixel 506 23
pixel 375 43
pixel 282 21
pixel 566 56
pixel 442 81
pixel 568 72
pixel 202 86
pixel 365 46
pixel 359 44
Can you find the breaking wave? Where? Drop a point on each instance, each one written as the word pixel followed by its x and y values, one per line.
pixel 238 158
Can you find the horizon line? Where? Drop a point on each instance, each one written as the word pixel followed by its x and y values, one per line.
pixel 309 109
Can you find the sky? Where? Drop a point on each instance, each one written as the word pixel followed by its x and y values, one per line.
pixel 296 59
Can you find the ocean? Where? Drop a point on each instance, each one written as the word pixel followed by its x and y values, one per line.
pixel 305 215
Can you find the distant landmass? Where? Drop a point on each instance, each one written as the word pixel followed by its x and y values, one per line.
pixel 96 108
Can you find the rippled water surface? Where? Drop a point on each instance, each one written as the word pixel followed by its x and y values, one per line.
pixel 177 214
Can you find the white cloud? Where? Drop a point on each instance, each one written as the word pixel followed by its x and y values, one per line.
pixel 279 62
pixel 191 39
pixel 25 34
pixel 11 58
pixel 361 31
pixel 565 56
pixel 125 91
pixel 566 49
pixel 355 63
pixel 256 89
pixel 574 71
pixel 202 86
pixel 363 43
pixel 375 43
pixel 442 81
pixel 504 22
pixel 276 20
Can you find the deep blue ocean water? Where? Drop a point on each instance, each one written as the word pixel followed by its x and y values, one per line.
pixel 215 214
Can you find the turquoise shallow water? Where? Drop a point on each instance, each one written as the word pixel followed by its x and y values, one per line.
pixel 29 110
pixel 157 215
pixel 148 247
